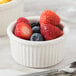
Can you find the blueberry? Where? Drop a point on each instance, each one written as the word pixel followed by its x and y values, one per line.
pixel 35 24
pixel 36 37
pixel 60 26
pixel 36 29
pixel 38 23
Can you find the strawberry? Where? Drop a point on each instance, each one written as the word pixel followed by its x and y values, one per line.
pixel 49 17
pixel 23 30
pixel 22 19
pixel 50 32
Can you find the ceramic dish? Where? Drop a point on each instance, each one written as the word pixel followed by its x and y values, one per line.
pixel 37 54
pixel 8 12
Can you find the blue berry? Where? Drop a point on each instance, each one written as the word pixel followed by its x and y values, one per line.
pixel 38 23
pixel 36 37
pixel 36 29
pixel 35 24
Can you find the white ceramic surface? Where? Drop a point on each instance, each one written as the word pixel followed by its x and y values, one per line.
pixel 37 54
pixel 8 12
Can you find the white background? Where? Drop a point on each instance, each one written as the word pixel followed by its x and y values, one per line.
pixel 35 7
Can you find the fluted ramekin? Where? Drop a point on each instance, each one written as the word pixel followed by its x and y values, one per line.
pixel 37 54
pixel 9 12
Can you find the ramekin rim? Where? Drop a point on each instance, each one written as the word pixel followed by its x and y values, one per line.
pixel 12 36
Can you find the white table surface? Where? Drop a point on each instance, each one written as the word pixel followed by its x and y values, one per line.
pixel 6 60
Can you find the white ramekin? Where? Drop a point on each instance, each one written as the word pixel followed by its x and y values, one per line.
pixel 37 54
pixel 8 12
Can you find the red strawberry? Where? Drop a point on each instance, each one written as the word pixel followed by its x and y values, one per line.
pixel 23 30
pixel 22 19
pixel 49 17
pixel 50 32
